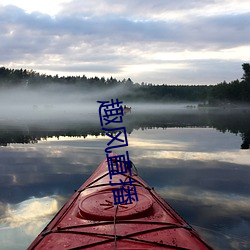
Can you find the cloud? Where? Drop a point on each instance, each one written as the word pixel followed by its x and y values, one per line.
pixel 202 31
pixel 115 38
pixel 147 9
pixel 29 210
pixel 26 220
pixel 233 204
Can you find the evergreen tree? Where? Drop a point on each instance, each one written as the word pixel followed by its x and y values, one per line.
pixel 246 69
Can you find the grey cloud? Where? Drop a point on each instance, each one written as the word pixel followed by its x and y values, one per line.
pixel 220 31
pixel 208 71
pixel 98 40
pixel 217 31
pixel 135 8
pixel 85 68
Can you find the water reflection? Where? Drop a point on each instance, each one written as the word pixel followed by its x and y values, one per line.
pixel 29 210
pixel 19 222
pixel 233 121
pixel 193 161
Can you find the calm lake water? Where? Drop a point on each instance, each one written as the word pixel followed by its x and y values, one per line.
pixel 197 160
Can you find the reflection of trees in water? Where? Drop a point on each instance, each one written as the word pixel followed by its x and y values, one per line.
pixel 237 122
pixel 16 137
pixel 246 141
pixel 19 134
pixel 233 121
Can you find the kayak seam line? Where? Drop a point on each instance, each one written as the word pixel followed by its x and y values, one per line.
pixel 135 233
pixel 128 236
pixel 99 178
pixel 119 222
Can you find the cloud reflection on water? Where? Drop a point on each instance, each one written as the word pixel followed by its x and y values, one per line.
pixel 29 210
pixel 204 178
pixel 234 156
pixel 22 222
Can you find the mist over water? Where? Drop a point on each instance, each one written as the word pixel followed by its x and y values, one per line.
pixel 55 102
pixel 61 102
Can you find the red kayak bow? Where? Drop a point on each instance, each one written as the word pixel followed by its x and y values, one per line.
pixel 91 219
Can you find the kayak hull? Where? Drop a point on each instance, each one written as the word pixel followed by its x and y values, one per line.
pixel 91 220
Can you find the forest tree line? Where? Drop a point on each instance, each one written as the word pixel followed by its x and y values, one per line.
pixel 236 91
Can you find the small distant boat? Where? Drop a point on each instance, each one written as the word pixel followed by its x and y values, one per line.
pixel 91 220
pixel 126 109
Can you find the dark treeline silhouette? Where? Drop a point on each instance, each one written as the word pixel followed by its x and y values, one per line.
pixel 237 91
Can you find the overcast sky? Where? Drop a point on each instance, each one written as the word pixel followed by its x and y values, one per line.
pixel 154 41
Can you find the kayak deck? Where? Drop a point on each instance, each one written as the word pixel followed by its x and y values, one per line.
pixel 91 220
